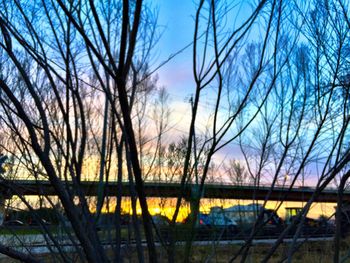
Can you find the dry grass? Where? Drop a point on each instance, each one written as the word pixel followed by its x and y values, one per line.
pixel 310 252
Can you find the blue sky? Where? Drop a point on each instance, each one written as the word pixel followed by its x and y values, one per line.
pixel 176 21
pixel 177 25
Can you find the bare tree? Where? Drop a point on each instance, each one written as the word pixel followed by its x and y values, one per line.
pixel 46 102
pixel 76 89
pixel 237 173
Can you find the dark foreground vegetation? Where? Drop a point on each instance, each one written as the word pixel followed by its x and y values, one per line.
pixel 264 99
pixel 311 252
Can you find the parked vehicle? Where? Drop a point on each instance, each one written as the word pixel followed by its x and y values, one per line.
pixel 237 222
pixel 312 227
pixel 217 217
pixel 223 227
pixel 202 220
pixel 212 226
pixel 246 216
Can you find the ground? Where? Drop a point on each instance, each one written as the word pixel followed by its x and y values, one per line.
pixel 311 252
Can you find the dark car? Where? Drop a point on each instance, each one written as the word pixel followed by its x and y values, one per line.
pixel 202 220
pixel 312 227
pixel 272 224
pixel 202 228
pixel 213 226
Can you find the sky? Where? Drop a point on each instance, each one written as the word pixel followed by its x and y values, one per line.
pixel 176 22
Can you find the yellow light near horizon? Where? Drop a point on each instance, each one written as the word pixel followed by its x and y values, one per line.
pixel 166 207
pixel 157 210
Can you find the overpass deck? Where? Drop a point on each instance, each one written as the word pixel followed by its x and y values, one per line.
pixel 169 190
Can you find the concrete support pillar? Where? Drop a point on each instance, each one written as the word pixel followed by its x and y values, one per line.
pixel 194 200
pixel 2 208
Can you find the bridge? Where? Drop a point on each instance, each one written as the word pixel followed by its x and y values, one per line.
pixel 171 190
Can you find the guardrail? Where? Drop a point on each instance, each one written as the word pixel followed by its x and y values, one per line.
pixel 22 179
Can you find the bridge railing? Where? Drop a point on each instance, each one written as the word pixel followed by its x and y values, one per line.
pixel 208 183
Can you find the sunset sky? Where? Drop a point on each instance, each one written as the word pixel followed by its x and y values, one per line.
pixel 176 24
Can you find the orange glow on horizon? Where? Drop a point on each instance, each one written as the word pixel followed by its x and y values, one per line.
pixel 166 207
